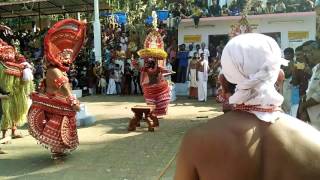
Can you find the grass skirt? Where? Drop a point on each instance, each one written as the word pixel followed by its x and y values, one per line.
pixel 14 108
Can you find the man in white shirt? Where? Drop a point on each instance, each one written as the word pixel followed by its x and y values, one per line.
pixel 205 52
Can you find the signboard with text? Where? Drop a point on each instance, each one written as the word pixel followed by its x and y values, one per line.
pixel 191 38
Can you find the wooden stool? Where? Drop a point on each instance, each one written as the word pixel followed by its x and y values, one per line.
pixel 151 119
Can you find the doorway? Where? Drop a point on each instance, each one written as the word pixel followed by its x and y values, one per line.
pixel 214 41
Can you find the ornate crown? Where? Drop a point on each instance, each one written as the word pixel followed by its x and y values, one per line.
pixel 63 42
pixel 153 47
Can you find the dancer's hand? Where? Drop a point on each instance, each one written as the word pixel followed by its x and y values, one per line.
pixel 76 107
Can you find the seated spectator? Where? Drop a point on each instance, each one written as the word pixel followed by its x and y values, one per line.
pixel 196 15
pixel 225 11
pixel 292 5
pixel 188 10
pixel 306 5
pixel 184 11
pixel 259 8
pixel 269 9
pixel 177 15
pixel 181 10
pixel 215 9
pixel 205 12
pixel 252 11
pixel 280 7
pixel 234 9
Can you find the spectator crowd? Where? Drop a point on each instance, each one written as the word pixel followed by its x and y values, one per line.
pixel 200 9
pixel 301 86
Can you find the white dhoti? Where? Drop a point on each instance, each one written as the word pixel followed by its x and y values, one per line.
pixel 193 78
pixel 202 86
pixel 112 87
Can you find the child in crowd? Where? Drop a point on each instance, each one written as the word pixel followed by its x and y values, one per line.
pixel 103 85
pixel 112 84
pixel 118 78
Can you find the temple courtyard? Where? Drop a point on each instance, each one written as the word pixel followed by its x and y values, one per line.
pixel 107 150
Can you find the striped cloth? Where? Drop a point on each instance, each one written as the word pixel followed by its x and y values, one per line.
pixel 159 95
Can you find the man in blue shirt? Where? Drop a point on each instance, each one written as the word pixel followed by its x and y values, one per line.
pixel 183 64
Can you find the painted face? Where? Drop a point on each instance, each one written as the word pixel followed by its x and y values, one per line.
pixel 150 63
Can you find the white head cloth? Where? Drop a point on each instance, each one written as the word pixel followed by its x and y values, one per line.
pixel 252 61
pixel 27 72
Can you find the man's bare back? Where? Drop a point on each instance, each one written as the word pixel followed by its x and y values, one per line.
pixel 238 146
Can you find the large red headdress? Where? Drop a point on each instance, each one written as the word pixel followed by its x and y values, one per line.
pixel 153 47
pixel 10 59
pixel 63 42
pixel 7 52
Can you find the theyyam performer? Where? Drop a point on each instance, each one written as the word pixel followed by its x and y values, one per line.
pixel 52 116
pixel 16 82
pixel 155 87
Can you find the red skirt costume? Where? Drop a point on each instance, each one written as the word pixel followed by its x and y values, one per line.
pixel 52 122
pixel 51 118
pixel 159 95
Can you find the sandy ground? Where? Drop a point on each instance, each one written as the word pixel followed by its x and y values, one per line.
pixel 107 150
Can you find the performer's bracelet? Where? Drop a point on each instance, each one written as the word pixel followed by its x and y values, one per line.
pixel 72 100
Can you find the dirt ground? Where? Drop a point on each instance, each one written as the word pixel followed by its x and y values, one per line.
pixel 107 150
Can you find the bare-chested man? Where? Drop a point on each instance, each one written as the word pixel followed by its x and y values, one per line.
pixel 193 91
pixel 255 141
pixel 202 78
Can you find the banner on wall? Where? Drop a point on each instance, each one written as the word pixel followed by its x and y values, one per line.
pixel 192 38
pixel 298 36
